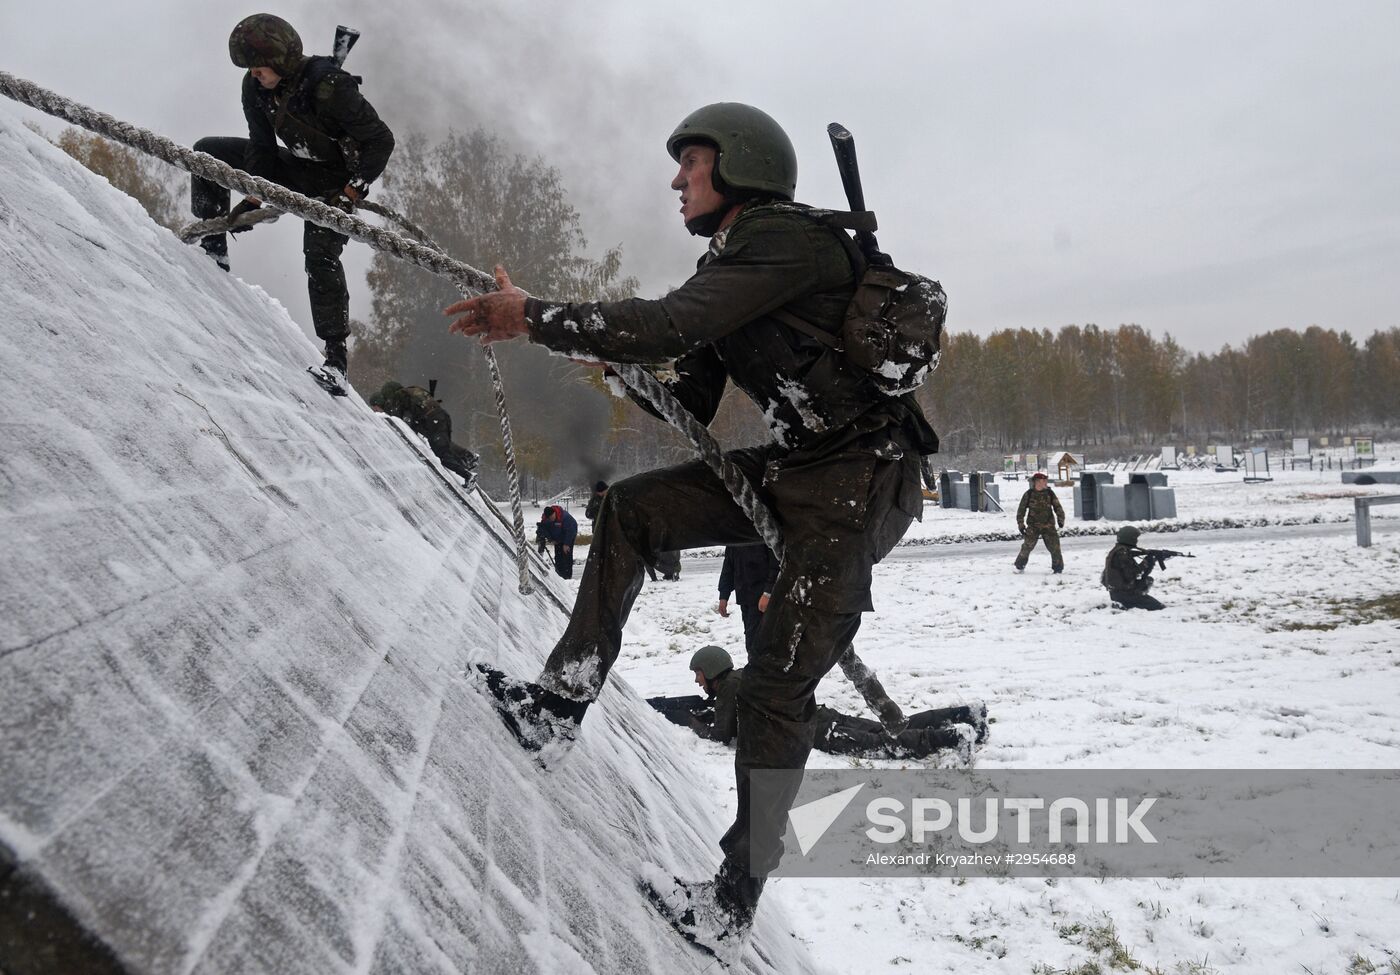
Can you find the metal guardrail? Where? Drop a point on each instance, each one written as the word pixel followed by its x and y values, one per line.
pixel 1363 515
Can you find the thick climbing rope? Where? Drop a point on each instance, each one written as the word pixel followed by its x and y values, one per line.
pixel 469 280
pixel 498 386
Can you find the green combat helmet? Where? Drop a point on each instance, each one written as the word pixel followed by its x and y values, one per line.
pixel 266 41
pixel 711 661
pixel 755 153
pixel 1128 535
pixel 386 396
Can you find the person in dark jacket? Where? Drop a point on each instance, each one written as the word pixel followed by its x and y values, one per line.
pixel 595 501
pixel 956 729
pixel 558 527
pixel 749 572
pixel 1040 517
pixel 841 474
pixel 336 146
pixel 426 417
pixel 1126 577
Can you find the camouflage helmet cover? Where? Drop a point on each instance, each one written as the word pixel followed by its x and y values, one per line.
pixel 387 393
pixel 754 151
pixel 265 41
pixel 1128 535
pixel 711 661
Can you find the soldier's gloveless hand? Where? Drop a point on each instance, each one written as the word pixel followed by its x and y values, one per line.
pixel 495 316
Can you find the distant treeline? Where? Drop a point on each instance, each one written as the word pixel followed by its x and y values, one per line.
pixel 1024 388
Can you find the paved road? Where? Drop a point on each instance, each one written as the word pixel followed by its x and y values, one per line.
pixel 1183 541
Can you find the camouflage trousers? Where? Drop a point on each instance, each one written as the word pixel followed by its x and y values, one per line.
pixel 325 276
pixel 839 516
pixel 1035 533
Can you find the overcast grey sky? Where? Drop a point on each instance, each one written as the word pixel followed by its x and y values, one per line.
pixel 1206 169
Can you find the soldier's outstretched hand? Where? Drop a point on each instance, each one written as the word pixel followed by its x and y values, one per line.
pixel 495 316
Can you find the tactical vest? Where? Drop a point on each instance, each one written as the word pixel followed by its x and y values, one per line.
pixel 294 118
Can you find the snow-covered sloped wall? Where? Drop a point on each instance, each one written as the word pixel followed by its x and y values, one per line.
pixel 233 615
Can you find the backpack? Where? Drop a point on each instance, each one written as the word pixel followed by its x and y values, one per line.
pixel 894 322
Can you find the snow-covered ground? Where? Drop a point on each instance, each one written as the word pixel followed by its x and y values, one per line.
pixel 1261 660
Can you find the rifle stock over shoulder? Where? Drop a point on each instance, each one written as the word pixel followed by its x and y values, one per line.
pixel 679 710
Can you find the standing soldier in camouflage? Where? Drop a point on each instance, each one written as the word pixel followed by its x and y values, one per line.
pixel 841 475
pixel 1040 517
pixel 335 147
pixel 426 417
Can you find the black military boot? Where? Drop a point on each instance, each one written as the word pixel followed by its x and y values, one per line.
pixel 955 738
pixel 336 356
pixel 714 915
pixel 541 720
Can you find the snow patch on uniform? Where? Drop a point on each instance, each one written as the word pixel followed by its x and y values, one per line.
pixel 778 427
pixel 580 680
pixel 796 394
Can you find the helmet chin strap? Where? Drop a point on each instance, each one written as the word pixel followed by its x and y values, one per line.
pixel 707 224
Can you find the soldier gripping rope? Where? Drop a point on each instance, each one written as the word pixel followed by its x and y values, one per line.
pixel 765 309
pixel 336 146
pixel 1040 517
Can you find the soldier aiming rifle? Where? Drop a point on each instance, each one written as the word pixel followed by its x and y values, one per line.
pixel 1128 577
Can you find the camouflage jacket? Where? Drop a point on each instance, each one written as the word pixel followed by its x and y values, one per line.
pixel 417 406
pixel 322 117
pixel 423 414
pixel 1120 569
pixel 1040 509
pixel 726 700
pixel 718 326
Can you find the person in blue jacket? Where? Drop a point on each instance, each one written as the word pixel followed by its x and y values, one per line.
pixel 558 527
